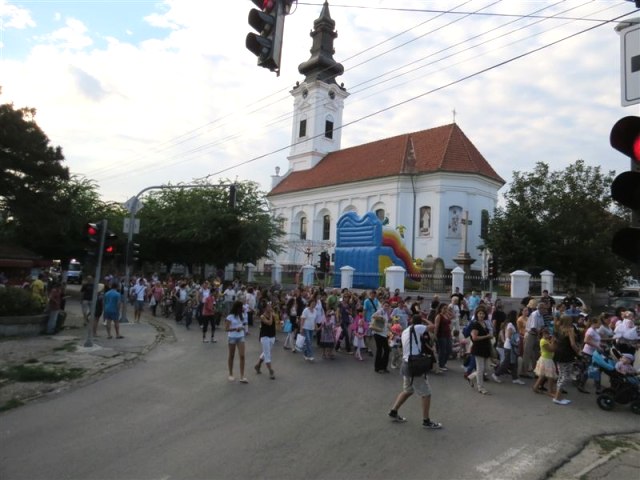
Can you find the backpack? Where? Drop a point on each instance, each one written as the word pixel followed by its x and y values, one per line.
pixel 466 331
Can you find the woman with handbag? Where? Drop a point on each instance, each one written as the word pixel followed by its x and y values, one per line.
pixel 267 339
pixel 481 349
pixel 380 328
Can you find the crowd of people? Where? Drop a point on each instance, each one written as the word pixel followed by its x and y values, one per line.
pixel 550 344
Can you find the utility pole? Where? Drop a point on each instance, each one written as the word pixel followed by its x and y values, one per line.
pixel 133 208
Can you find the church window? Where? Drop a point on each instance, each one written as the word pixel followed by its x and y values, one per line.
pixel 328 128
pixel 303 228
pixel 326 227
pixel 303 128
pixel 425 221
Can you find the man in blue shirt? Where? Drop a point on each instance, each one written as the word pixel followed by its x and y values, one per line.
pixel 112 302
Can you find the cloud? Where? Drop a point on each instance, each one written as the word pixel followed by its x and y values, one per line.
pixel 72 36
pixel 88 85
pixel 186 99
pixel 12 16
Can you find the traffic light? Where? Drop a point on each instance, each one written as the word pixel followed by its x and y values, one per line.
pixel 133 253
pixel 92 234
pixel 233 196
pixel 325 263
pixel 269 23
pixel 625 137
pixel 110 240
pixel 625 189
pixel 492 268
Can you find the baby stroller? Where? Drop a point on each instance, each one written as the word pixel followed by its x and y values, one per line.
pixel 623 389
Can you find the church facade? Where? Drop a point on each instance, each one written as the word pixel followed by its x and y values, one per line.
pixel 423 184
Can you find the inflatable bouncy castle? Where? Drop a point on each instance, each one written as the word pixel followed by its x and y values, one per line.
pixel 364 244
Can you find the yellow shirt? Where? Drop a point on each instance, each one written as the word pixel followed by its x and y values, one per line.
pixel 545 352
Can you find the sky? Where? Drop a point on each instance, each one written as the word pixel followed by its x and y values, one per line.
pixel 141 93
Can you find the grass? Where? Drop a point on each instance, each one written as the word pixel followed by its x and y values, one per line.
pixel 67 347
pixel 609 444
pixel 9 404
pixel 39 373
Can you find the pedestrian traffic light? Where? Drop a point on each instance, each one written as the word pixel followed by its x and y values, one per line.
pixel 133 252
pixel 625 189
pixel 492 269
pixel 233 196
pixel 269 23
pixel 325 262
pixel 110 240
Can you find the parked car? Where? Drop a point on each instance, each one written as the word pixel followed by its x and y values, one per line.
pixel 628 292
pixel 559 298
pixel 630 303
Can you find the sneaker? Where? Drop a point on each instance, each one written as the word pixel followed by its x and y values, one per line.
pixel 396 418
pixel 204 340
pixel 431 425
pixel 213 340
pixel 444 369
pixel 495 378
pixel 517 381
pixel 564 401
pixel 244 380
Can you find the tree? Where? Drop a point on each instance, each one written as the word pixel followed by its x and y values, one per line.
pixel 196 225
pixel 31 173
pixel 561 221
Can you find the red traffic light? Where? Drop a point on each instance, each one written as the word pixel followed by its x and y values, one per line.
pixel 92 232
pixel 625 137
pixel 109 249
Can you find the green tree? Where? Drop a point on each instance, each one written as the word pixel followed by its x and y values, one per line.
pixel 196 225
pixel 561 221
pixel 31 173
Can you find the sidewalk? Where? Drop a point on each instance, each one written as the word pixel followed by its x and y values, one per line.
pixel 611 457
pixel 66 351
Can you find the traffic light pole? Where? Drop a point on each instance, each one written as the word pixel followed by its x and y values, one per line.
pixel 96 283
pixel 132 219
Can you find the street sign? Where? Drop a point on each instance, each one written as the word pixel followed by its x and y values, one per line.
pixel 133 204
pixel 136 225
pixel 629 62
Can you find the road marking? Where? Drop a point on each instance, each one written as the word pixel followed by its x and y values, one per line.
pixel 517 462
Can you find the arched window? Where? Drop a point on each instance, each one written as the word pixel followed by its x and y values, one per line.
pixel 425 222
pixel 326 227
pixel 455 224
pixel 328 127
pixel 303 228
pixel 302 132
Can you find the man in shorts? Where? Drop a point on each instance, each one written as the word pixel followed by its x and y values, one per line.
pixel 411 385
pixel 112 303
pixel 140 291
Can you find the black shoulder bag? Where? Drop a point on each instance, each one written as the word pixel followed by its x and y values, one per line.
pixel 420 363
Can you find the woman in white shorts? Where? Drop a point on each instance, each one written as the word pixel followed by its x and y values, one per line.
pixel 235 333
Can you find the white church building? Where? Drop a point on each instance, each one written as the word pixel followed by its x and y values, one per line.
pixel 423 183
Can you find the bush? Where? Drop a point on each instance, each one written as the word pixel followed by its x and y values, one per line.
pixel 18 301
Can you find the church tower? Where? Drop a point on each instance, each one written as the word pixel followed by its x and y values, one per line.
pixel 318 100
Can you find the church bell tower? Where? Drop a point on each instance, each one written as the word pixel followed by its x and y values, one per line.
pixel 318 100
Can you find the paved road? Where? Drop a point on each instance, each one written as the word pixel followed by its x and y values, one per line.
pixel 174 415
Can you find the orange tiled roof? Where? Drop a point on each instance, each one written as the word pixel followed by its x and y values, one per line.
pixel 440 149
